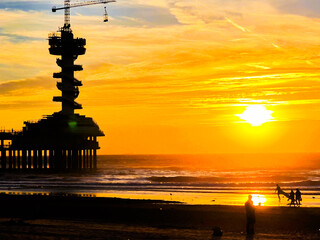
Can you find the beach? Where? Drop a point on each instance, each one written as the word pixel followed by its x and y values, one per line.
pixel 73 217
pixel 156 197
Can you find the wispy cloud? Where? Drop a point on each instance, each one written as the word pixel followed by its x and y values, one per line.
pixel 237 25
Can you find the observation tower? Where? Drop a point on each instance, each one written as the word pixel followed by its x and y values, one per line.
pixel 64 140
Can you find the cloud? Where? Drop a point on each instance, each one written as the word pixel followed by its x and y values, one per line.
pixel 308 8
pixel 17 38
pixel 236 25
pixel 25 86
pixel 25 5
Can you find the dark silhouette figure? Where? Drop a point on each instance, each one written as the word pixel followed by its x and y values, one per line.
pixel 251 216
pixel 217 233
pixel 291 197
pixel 298 197
pixel 279 191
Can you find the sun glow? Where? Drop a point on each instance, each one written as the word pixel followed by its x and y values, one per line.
pixel 258 200
pixel 256 115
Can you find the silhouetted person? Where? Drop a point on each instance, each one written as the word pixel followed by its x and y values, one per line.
pixel 291 197
pixel 251 216
pixel 279 191
pixel 298 197
pixel 217 233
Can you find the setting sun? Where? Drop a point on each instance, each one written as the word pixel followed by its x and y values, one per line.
pixel 256 115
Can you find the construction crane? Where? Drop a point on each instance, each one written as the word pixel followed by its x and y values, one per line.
pixel 68 5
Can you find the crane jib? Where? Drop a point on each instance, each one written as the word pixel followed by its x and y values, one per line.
pixel 81 4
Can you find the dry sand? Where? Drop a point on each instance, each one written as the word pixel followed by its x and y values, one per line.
pixel 60 217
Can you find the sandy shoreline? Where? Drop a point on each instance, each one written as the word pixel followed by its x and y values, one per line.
pixel 60 217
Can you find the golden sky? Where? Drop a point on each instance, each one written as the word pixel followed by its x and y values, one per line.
pixel 172 76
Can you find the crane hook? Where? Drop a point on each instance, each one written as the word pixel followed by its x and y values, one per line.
pixel 106 18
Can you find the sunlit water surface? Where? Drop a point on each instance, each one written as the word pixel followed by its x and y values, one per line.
pixel 160 178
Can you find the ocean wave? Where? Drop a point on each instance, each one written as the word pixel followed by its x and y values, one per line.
pixel 255 181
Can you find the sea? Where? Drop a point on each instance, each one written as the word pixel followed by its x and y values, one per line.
pixel 185 179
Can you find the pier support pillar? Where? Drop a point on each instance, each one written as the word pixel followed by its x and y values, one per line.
pixel 40 159
pixel 74 159
pixel 95 152
pixel 51 157
pixel 45 160
pixel 95 158
pixel 90 157
pixel 10 159
pixel 14 160
pixel 18 159
pixel 29 159
pixel 64 159
pixel 24 159
pixel 35 159
pixel 69 158
pixel 58 159
pixel 87 158
pixel 3 159
pixel 79 158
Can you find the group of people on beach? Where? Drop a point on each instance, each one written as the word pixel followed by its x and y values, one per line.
pixel 295 198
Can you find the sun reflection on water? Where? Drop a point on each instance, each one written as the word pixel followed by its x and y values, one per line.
pixel 258 200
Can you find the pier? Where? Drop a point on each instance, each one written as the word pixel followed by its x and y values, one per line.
pixel 64 140
pixel 20 153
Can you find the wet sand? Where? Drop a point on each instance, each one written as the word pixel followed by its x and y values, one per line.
pixel 69 217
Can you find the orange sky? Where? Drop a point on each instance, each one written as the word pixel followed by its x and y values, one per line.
pixel 171 76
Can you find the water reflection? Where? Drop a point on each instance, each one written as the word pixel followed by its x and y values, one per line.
pixel 58 194
pixel 188 197
pixel 258 200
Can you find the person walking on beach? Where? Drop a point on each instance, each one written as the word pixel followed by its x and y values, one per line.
pixel 279 191
pixel 251 215
pixel 291 197
pixel 298 197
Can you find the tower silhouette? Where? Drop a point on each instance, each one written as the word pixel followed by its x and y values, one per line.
pixel 64 140
pixel 69 48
